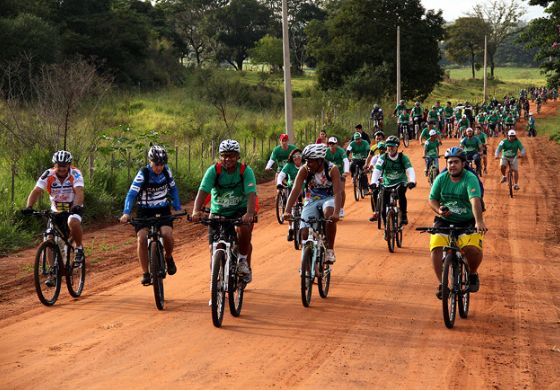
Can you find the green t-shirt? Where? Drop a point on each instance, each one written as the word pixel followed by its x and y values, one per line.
pixel 337 157
pixel 394 172
pixel 416 111
pixel 492 119
pixel 509 120
pixel 431 148
pixel 280 155
pixel 482 137
pixel 291 171
pixel 509 149
pixel 404 118
pixel 464 123
pixel 359 151
pixel 471 144
pixel 448 111
pixel 433 115
pixel 425 134
pixel 230 196
pixel 456 196
pixel 399 108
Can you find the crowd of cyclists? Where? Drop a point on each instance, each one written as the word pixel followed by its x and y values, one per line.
pixel 315 175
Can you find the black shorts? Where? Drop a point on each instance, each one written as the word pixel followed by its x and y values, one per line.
pixel 212 230
pixel 144 212
pixel 61 221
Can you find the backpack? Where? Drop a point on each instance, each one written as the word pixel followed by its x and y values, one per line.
pixel 146 174
pixel 399 160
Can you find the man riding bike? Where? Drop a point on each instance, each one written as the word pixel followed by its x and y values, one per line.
pixel 433 118
pixel 154 183
pixel 417 116
pixel 395 168
pixel 65 186
pixel 337 155
pixel 322 189
pixel 455 198
pixel 399 108
pixel 376 116
pixel 472 146
pixel 287 177
pixel 531 129
pixel 509 147
pixel 404 124
pixel 280 154
pixel 484 140
pixel 233 189
pixel 357 152
pixel 431 151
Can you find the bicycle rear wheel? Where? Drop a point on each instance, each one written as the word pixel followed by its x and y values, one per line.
pixel 280 206
pixel 155 261
pixel 464 297
pixel 405 140
pixel 306 280
pixel 324 278
pixel 398 230
pixel 44 272
pixel 235 293
pixel 390 230
pixel 218 292
pixel 355 183
pixel 75 273
pixel 448 293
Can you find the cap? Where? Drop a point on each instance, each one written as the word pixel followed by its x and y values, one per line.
pixel 333 140
pixel 432 132
pixel 284 137
pixel 511 132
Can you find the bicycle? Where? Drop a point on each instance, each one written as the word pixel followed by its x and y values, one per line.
pixel 157 266
pixel 296 213
pixel 404 134
pixel 393 228
pixel 359 182
pixel 281 200
pixel 224 268
pixel 54 259
pixel 433 172
pixel 455 287
pixel 313 263
pixel 510 179
pixel 471 160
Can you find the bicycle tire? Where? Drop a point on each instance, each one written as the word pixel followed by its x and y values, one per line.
pixel 306 281
pixel 297 236
pixel 464 297
pixel 398 230
pixel 42 271
pixel 75 275
pixel 363 179
pixel 280 207
pixel 235 294
pixel 355 182
pixel 389 226
pixel 154 261
pixel 405 140
pixel 510 183
pixel 324 278
pixel 218 293
pixel 448 294
pixel 379 205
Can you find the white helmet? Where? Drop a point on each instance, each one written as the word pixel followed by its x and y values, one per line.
pixel 511 132
pixel 530 114
pixel 229 145
pixel 432 132
pixel 157 154
pixel 62 157
pixel 333 140
pixel 469 129
pixel 314 151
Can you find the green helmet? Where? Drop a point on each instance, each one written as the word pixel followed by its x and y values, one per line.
pixel 357 135
pixel 392 141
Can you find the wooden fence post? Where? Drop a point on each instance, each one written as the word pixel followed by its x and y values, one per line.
pixel 189 165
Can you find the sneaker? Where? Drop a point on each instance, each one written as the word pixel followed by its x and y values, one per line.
pixel 373 217
pixel 341 214
pixel 474 283
pixel 516 187
pixel 290 234
pixel 51 281
pixel 404 220
pixel 426 172
pixel 243 268
pixel 330 258
pixel 146 279
pixel 171 267
pixel 79 258
pixel 439 294
pixel 503 180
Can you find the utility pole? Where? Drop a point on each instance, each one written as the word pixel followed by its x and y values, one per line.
pixel 287 73
pixel 398 64
pixel 485 85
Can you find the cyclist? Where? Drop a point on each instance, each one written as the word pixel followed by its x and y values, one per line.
pixel 417 116
pixel 425 135
pixel 463 124
pixel 322 189
pixel 472 147
pixel 531 129
pixel 441 113
pixel 395 168
pixel 357 152
pixel 509 122
pixel 154 183
pixel 484 140
pixel 233 189
pixel 288 175
pixel 433 118
pixel 374 149
pixel 65 186
pixel 493 121
pixel 399 108
pixel 509 147
pixel 376 116
pixel 381 149
pixel 337 155
pixel 431 151
pixel 448 118
pixel 280 154
pixel 455 198
pixel 403 122
pixel 360 130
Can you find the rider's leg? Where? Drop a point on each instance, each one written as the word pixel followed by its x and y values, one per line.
pixel 437 255
pixel 75 226
pixel 168 242
pixel 474 257
pixel 330 228
pixel 515 176
pixel 403 202
pixel 142 248
pixel 342 192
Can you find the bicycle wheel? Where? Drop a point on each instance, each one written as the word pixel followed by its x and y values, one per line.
pixel 235 294
pixel 280 207
pixel 297 236
pixel 75 273
pixel 379 205
pixel 356 184
pixel 324 279
pixel 398 229
pixel 510 183
pixel 43 272
pixel 448 293
pixel 306 280
pixel 218 292
pixel 157 270
pixel 389 230
pixel 363 180
pixel 405 138
pixel 464 297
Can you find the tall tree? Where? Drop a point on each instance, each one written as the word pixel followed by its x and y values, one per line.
pixel 465 40
pixel 503 18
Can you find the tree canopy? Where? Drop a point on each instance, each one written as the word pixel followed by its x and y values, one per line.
pixel 465 41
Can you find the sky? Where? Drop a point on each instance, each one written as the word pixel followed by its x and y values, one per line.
pixel 455 9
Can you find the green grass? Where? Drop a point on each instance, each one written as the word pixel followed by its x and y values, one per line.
pixel 549 126
pixel 517 75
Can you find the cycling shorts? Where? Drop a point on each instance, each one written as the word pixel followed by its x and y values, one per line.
pixel 213 230
pixel 145 212
pixel 441 240
pixel 310 209
pixel 62 219
pixel 512 160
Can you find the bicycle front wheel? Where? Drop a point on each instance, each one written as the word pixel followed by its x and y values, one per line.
pixel 510 183
pixel 356 184
pixel 280 207
pixel 324 279
pixel 235 294
pixel 47 273
pixel 464 297
pixel 297 236
pixel 306 278
pixel 157 270
pixel 390 230
pixel 398 229
pixel 218 292
pixel 405 140
pixel 448 293
pixel 75 273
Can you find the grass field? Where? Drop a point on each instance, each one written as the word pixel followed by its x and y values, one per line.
pixel 529 75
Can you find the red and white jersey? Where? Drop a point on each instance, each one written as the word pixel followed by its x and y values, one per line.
pixel 61 191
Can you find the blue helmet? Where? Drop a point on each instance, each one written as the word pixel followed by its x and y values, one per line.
pixel 455 151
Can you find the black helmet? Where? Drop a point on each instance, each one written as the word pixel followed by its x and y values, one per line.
pixel 392 141
pixel 157 154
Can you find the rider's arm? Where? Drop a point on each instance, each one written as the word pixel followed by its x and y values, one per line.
pixel 133 192
pixel 199 201
pixel 409 170
pixel 346 165
pixel 272 160
pixel 499 149
pixel 78 196
pixel 522 149
pixel 476 205
pixel 34 196
pixel 335 177
pixel 300 178
pixel 280 179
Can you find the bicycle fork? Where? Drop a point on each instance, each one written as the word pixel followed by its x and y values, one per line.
pixel 225 247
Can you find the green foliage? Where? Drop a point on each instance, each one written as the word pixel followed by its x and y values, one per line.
pixel 465 41
pixel 268 50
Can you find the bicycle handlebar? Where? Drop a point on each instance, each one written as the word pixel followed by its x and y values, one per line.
pixel 447 229
pixel 156 220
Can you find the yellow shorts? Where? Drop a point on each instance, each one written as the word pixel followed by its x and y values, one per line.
pixel 441 240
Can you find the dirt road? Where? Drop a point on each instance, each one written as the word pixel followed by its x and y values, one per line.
pixel 380 327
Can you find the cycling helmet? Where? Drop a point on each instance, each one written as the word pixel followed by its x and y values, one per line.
pixel 62 157
pixel 401 101
pixel 469 129
pixel 376 105
pixel 314 151
pixel 357 135
pixel 417 104
pixel 432 132
pixel 157 154
pixel 381 146
pixel 511 133
pixel 229 145
pixel 379 132
pixel 392 141
pixel 332 140
pixel 530 114
pixel 455 152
